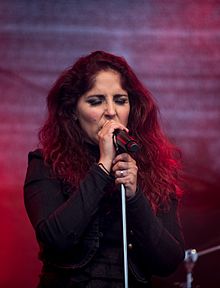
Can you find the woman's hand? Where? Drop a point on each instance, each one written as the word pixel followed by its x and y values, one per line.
pixel 106 146
pixel 125 171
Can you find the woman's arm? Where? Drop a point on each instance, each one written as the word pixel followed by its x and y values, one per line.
pixel 59 221
pixel 156 240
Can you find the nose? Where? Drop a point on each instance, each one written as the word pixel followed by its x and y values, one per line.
pixel 110 110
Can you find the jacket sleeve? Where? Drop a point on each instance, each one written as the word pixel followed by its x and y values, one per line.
pixel 59 221
pixel 156 240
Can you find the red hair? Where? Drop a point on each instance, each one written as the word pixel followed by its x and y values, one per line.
pixel 63 140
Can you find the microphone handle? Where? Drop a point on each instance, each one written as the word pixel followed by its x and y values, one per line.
pixel 125 142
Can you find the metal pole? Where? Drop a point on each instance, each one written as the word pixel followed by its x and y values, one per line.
pixel 124 226
pixel 191 257
pixel 209 250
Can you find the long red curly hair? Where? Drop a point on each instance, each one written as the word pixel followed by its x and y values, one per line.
pixel 63 141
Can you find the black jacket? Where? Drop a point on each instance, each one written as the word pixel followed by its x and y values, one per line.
pixel 67 227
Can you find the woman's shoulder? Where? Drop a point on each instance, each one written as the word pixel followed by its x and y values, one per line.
pixel 35 154
pixel 37 168
pixel 36 161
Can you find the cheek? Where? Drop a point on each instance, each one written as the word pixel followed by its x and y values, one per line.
pixel 89 118
pixel 93 117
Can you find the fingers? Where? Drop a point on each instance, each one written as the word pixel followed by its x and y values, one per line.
pixel 109 127
pixel 122 162
pixel 126 174
pixel 121 173
pixel 125 171
pixel 106 146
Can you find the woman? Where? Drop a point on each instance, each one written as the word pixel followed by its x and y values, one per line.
pixel 71 190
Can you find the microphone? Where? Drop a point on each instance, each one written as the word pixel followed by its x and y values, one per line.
pixel 124 142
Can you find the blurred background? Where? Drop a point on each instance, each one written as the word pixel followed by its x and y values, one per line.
pixel 174 47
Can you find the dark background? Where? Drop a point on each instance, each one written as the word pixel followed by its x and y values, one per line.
pixel 174 47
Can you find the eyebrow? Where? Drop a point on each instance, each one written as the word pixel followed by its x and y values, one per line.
pixel 120 95
pixel 95 95
pixel 102 95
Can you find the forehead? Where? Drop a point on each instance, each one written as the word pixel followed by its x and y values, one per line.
pixel 107 79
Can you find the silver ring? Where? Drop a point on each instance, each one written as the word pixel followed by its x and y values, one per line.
pixel 122 173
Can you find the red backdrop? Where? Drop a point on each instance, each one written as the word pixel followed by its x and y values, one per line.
pixel 174 46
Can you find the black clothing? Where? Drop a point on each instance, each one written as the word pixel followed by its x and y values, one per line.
pixel 81 237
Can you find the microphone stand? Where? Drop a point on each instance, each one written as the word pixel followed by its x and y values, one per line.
pixel 191 257
pixel 124 143
pixel 124 227
pixel 119 150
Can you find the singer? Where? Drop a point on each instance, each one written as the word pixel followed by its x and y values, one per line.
pixel 71 190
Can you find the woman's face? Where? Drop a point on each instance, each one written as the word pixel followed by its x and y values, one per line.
pixel 106 100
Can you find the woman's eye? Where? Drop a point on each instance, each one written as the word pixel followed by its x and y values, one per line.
pixel 121 101
pixel 94 102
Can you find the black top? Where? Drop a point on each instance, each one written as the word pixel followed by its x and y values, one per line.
pixel 80 233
